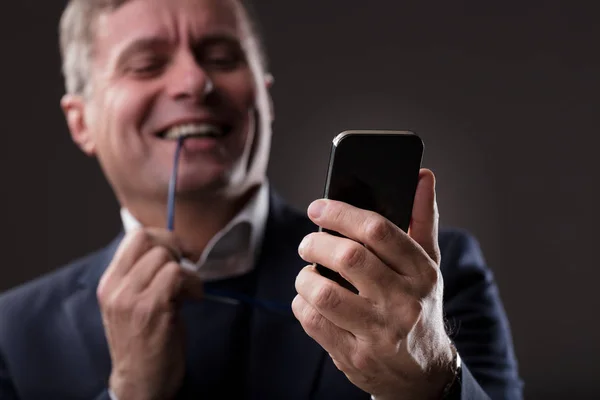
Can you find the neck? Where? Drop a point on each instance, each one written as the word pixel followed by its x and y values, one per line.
pixel 197 220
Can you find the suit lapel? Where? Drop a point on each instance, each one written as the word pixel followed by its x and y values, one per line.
pixel 84 313
pixel 285 361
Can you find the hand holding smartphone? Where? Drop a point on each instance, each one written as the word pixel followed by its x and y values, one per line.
pixel 376 171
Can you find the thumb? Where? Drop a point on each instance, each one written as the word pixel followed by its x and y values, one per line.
pixel 424 224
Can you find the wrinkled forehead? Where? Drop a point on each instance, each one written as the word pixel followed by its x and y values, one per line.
pixel 173 20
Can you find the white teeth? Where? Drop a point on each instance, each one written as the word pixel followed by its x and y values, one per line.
pixel 193 130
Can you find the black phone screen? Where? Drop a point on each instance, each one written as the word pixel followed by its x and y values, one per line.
pixel 377 172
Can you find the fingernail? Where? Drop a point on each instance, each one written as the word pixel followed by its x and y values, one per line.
pixel 302 246
pixel 316 209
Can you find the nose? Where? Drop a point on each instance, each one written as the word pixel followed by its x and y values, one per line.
pixel 188 80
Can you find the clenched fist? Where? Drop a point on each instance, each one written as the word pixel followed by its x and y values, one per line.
pixel 138 297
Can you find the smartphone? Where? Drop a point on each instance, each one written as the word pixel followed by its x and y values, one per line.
pixel 376 171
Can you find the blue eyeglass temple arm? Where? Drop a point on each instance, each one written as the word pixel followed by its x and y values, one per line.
pixel 221 296
pixel 173 186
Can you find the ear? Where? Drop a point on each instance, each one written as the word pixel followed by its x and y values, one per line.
pixel 269 82
pixel 73 107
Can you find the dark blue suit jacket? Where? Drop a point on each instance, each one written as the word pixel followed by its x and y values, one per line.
pixel 52 343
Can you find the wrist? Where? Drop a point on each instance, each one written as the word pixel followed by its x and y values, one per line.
pixel 456 368
pixel 437 384
pixel 123 389
pixel 442 380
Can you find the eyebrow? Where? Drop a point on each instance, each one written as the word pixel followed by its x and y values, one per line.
pixel 219 38
pixel 147 43
pixel 140 45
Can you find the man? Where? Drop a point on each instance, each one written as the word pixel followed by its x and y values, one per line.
pixel 193 313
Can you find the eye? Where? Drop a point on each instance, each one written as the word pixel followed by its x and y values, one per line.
pixel 147 66
pixel 224 57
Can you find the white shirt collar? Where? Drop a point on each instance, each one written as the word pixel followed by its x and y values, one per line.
pixel 233 251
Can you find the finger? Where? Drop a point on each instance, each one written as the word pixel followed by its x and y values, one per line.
pixel 131 248
pixel 167 283
pixel 353 261
pixel 143 272
pixel 338 305
pixel 135 245
pixel 336 341
pixel 175 283
pixel 424 225
pixel 387 241
pixel 163 237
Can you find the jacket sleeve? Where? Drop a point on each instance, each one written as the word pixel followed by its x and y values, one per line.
pixel 477 324
pixel 7 389
pixel 105 395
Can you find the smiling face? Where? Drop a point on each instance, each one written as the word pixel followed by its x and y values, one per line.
pixel 161 68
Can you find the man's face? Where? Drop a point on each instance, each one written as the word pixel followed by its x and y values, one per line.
pixel 150 69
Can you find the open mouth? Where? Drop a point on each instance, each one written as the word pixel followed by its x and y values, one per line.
pixel 196 130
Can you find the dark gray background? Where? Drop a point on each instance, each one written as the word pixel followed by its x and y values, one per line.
pixel 504 94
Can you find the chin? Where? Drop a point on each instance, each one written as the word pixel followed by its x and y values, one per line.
pixel 202 186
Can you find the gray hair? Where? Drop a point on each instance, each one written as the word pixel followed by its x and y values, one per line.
pixel 77 30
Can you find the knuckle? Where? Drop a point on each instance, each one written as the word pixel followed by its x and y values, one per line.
pixel 140 237
pixel 432 277
pixel 339 365
pixel 427 281
pixel 335 211
pixel 327 297
pixel 313 321
pixel 162 253
pixel 378 229
pixel 362 361
pixel 102 290
pixel 172 270
pixel 104 301
pixel 351 256
pixel 118 303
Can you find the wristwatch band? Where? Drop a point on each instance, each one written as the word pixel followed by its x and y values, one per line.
pixel 454 386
